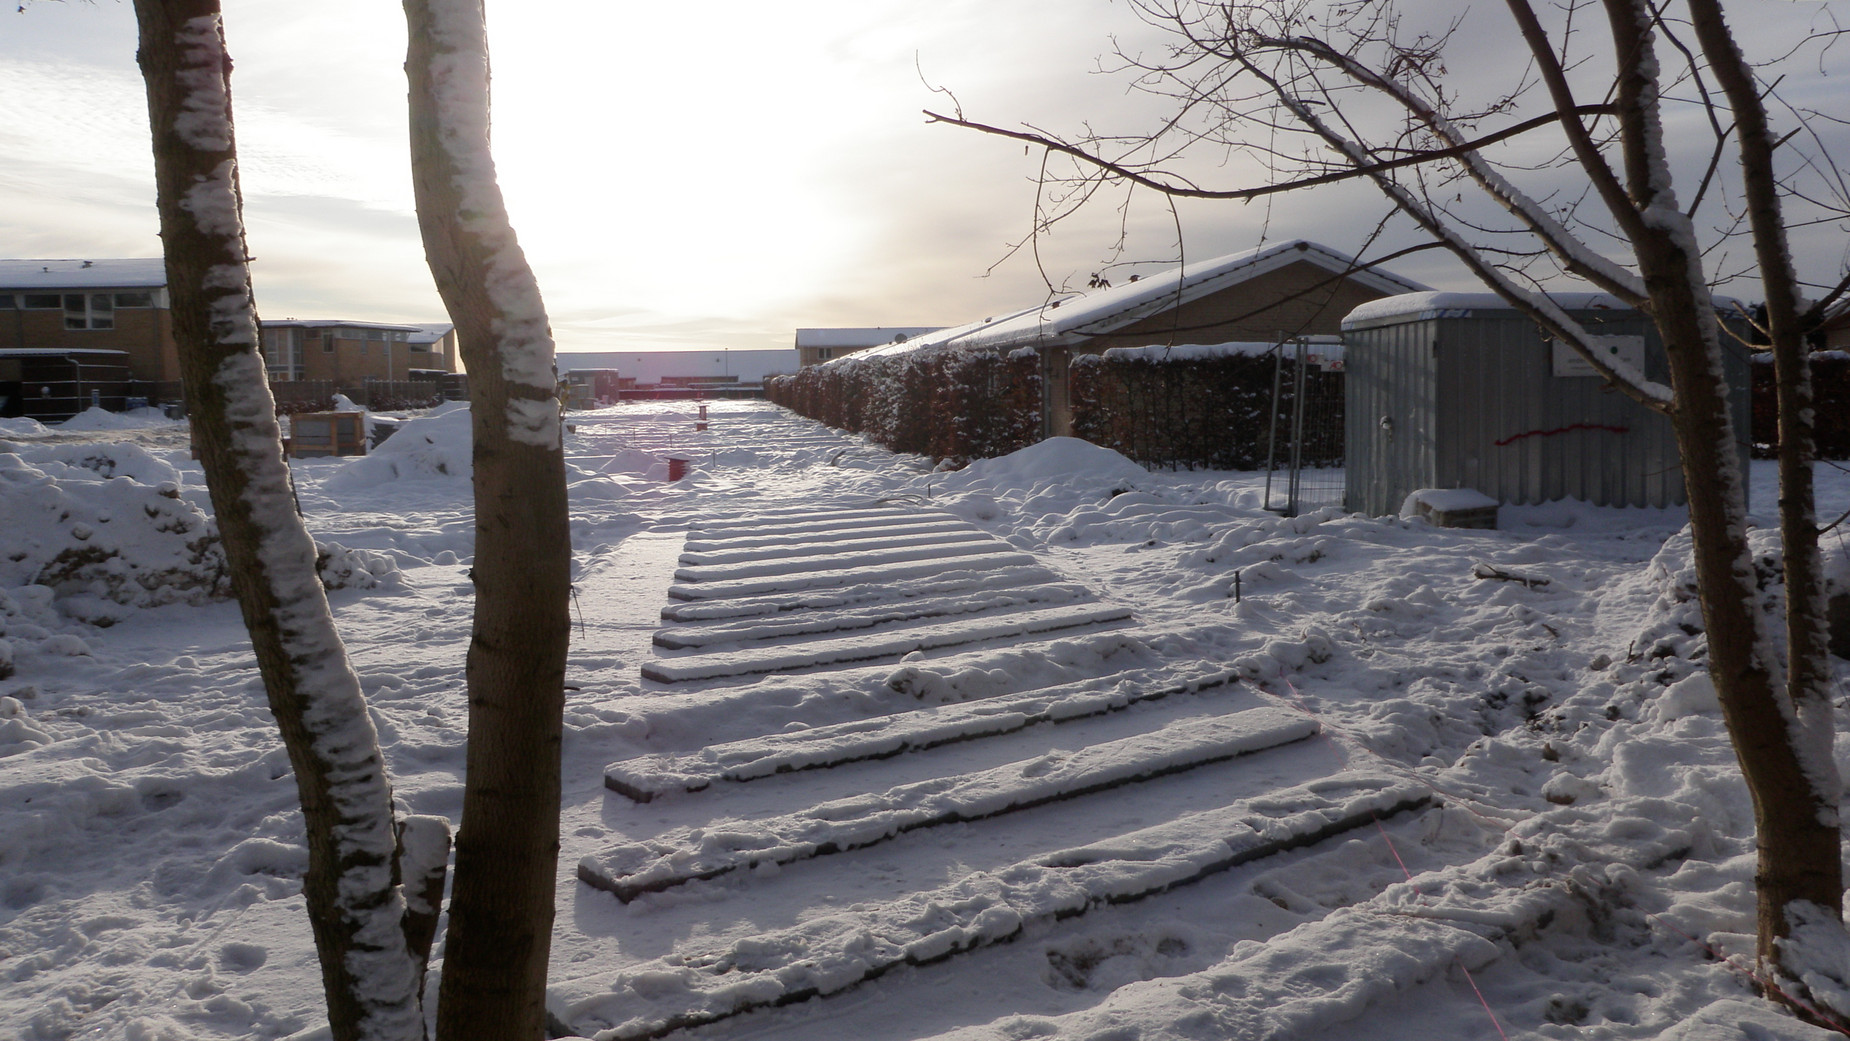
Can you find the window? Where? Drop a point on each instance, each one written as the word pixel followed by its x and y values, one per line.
pixel 327 340
pixel 6 300
pixel 824 353
pixel 89 311
pixel 134 300
pixel 42 301
pixel 375 334
pixel 422 348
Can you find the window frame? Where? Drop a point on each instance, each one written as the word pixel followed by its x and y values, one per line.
pixel 96 314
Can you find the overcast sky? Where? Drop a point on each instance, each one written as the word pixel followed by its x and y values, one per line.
pixel 681 176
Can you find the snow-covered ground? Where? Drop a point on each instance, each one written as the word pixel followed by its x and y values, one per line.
pixel 1411 783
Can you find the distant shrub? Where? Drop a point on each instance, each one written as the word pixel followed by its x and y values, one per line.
pixel 944 403
pixel 1830 379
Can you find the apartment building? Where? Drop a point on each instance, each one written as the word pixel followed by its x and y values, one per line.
pixel 350 351
pixel 50 307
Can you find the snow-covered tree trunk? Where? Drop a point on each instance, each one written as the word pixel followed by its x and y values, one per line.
pixel 501 905
pixel 1807 816
pixel 357 911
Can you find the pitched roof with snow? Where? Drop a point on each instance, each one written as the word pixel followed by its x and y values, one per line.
pixel 338 323
pixel 138 273
pixel 1075 320
pixel 870 336
pixel 1413 307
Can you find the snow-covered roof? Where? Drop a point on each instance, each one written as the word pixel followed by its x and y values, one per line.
pixel 928 341
pixel 1413 307
pixel 654 366
pixel 1328 348
pixel 56 352
pixel 141 272
pixel 336 323
pixel 869 336
pixel 430 332
pixel 1076 319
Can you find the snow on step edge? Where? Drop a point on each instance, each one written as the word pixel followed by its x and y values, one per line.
pixel 924 525
pixel 1010 577
pixel 645 777
pixel 828 547
pixel 826 955
pixel 814 654
pixel 819 522
pixel 842 577
pixel 873 556
pixel 722 846
pixel 819 622
pixel 1322 974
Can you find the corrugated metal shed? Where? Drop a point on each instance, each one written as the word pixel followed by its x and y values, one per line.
pixel 1458 390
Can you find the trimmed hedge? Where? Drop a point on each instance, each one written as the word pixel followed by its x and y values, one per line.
pixel 1199 413
pixel 954 405
pixel 1830 378
pixel 1193 413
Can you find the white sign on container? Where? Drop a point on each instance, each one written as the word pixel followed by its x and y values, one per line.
pixel 1628 349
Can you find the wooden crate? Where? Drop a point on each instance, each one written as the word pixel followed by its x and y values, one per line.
pixel 316 434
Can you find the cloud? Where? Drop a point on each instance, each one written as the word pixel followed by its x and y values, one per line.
pixel 713 175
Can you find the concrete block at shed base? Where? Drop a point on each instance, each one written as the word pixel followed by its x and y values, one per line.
pixel 1452 507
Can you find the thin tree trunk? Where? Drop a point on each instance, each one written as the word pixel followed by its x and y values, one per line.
pixel 501 905
pixel 354 904
pixel 1801 859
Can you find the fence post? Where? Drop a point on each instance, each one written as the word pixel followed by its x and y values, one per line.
pixel 1271 430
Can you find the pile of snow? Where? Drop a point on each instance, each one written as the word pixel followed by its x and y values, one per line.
pixel 99 419
pixel 23 427
pixel 433 446
pixel 344 568
pixel 105 528
pixel 1055 460
pixel 1047 481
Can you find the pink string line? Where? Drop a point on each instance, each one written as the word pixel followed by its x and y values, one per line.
pixel 1329 731
pixel 1819 1017
pixel 1324 731
pixel 1296 701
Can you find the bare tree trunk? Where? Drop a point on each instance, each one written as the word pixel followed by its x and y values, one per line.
pixel 1802 862
pixel 501 906
pixel 354 904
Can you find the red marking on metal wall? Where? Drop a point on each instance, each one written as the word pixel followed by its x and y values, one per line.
pixel 1562 430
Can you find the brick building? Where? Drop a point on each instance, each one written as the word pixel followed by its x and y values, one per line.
pixel 53 306
pixel 350 352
